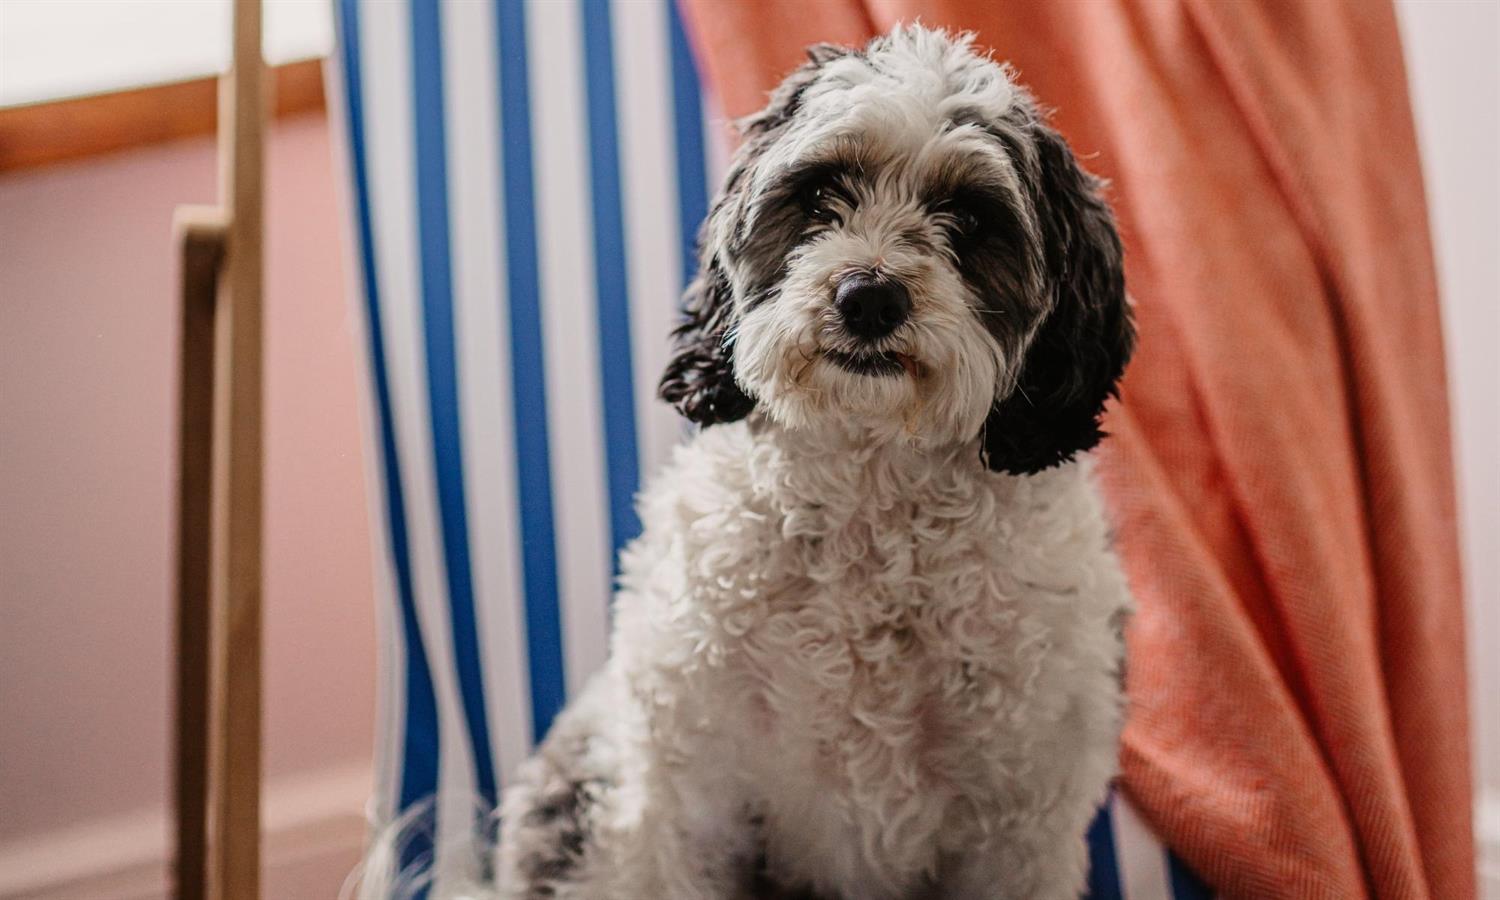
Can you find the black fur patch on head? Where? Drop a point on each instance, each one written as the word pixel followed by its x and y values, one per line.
pixel 699 379
pixel 1076 358
pixel 997 261
pixel 1001 259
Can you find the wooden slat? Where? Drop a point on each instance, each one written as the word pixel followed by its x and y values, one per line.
pixel 61 130
pixel 237 482
pixel 200 235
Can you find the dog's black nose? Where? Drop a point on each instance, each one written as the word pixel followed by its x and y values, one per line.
pixel 870 307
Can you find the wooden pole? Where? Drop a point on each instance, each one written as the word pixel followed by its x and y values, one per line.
pixel 200 239
pixel 217 758
pixel 237 472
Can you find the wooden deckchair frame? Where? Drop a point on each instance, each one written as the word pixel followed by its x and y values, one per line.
pixel 216 772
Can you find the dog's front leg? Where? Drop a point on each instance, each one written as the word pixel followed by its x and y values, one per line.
pixel 619 806
pixel 692 841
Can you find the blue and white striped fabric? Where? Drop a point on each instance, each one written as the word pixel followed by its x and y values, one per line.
pixel 527 178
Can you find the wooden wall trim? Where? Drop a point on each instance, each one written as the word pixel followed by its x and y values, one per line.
pixel 43 133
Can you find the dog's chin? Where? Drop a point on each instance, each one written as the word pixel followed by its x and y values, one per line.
pixel 878 395
pixel 876 364
pixel 927 393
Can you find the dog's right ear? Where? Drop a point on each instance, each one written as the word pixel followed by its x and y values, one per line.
pixel 699 380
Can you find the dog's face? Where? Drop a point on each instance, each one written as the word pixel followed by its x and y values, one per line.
pixel 905 249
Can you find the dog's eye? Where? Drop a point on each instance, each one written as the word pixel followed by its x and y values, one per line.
pixel 817 203
pixel 966 221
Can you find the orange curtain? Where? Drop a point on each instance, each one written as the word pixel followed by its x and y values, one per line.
pixel 1280 469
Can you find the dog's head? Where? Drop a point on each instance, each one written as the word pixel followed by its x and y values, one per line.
pixel 904 247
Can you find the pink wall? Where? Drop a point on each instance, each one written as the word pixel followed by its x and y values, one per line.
pixel 87 360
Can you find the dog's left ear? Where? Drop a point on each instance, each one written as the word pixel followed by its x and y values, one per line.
pixel 1076 358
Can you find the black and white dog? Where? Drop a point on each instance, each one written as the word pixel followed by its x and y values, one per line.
pixel 869 645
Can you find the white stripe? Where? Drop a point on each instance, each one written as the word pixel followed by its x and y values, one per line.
pixel 390 134
pixel 390 694
pixel 643 95
pixel 1141 857
pixel 718 132
pixel 483 347
pixel 565 244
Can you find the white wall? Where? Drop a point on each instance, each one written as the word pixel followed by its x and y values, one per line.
pixel 1453 60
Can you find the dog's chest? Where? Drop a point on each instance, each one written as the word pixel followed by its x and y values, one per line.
pixel 869 638
pixel 885 655
pixel 888 654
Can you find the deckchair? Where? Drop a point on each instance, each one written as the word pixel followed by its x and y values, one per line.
pixel 525 181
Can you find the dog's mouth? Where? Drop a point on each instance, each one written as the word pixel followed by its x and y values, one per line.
pixel 882 364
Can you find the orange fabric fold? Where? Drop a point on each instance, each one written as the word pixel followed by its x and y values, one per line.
pixel 1280 469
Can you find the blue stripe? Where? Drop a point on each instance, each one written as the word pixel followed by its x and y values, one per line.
pixel 617 381
pixel 1186 885
pixel 1104 868
pixel 528 374
pixel 442 375
pixel 692 180
pixel 419 748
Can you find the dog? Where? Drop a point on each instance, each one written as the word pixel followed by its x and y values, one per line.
pixel 869 644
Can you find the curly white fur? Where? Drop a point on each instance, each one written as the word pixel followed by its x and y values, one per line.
pixel 901 668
